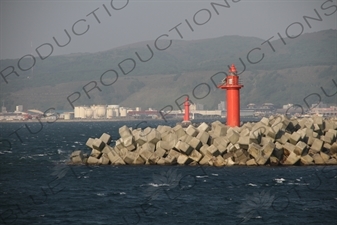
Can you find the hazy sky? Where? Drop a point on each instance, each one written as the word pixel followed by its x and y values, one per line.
pixel 27 24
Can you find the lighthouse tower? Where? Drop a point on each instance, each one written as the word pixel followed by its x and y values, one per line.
pixel 232 85
pixel 187 112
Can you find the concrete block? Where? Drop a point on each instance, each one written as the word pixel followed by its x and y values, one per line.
pixel 307 160
pixel 123 152
pixel 222 149
pixel 124 131
pixel 191 130
pixel 318 159
pixel 332 131
pixel 173 153
pixel 241 157
pixel 203 127
pixel 107 149
pixel 274 132
pixel 179 131
pixel 89 142
pixel 104 160
pixel 300 148
pixel 332 161
pixel 260 128
pixel 331 135
pixel 294 138
pixel 292 159
pixel 233 137
pixel 130 157
pixel 149 146
pixel 153 160
pixel 129 143
pixel 119 143
pixel 205 160
pixel 98 144
pixel 326 139
pixel 319 121
pixel 278 151
pixel 283 138
pixel 317 145
pixel 140 138
pixel 219 161
pixel 274 161
pixel 145 154
pixel 265 140
pixel 154 136
pixel 333 148
pixel 265 121
pixel 139 160
pixel 310 140
pixel 95 153
pixel 326 147
pixel 195 156
pixel 185 148
pixel 77 157
pixel 115 159
pixel 330 124
pixel 203 136
pixel 255 136
pixel 266 152
pixel 169 136
pixel 219 130
pixel 195 143
pixel 288 148
pixel 229 162
pixel 203 150
pixel 244 132
pixel 161 161
pixel 183 160
pixel 106 138
pixel 220 141
pixel 214 124
pixel 325 157
pixel 309 123
pixel 213 150
pixel 160 152
pixel 254 150
pixel 251 162
pixel 92 160
pixel 163 144
pixel 170 160
pixel 163 128
pixel 316 128
pixel 186 138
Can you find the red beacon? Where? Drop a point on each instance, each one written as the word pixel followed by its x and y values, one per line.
pixel 232 85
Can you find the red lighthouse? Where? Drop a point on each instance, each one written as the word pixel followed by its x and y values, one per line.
pixel 232 85
pixel 187 112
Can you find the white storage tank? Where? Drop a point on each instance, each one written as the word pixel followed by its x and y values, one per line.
pixel 109 113
pixel 77 112
pixel 100 111
pixel 82 112
pixel 122 112
pixel 89 112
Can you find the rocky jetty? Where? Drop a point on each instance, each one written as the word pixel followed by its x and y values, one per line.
pixel 273 141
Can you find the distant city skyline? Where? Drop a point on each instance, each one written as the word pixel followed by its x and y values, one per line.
pixel 95 26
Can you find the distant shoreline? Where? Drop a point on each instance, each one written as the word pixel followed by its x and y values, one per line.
pixel 243 119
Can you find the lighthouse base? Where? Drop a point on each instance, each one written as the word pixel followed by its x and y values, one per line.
pixel 186 123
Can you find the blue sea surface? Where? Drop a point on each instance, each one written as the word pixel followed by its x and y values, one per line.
pixel 38 186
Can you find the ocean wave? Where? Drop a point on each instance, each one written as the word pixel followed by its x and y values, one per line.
pixel 279 180
pixel 201 176
pixel 158 185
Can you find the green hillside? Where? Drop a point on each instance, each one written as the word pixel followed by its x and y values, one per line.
pixel 286 75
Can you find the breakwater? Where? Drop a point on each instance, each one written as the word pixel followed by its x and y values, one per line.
pixel 276 140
